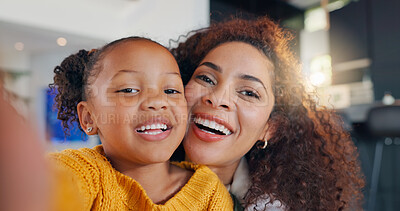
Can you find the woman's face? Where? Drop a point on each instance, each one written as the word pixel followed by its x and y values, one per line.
pixel 230 99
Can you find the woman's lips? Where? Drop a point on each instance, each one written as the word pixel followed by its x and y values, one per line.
pixel 213 118
pixel 205 135
pixel 210 128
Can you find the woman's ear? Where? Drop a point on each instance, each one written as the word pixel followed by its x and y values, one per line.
pixel 266 134
pixel 86 119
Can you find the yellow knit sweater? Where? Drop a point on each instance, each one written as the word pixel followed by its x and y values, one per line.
pixel 89 182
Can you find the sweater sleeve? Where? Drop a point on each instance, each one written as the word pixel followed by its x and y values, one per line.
pixel 76 180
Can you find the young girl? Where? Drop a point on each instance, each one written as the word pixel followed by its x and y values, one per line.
pixel 130 94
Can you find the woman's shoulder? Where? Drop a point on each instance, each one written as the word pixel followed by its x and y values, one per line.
pixel 266 204
pixel 240 186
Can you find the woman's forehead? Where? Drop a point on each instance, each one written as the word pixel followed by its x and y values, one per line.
pixel 240 58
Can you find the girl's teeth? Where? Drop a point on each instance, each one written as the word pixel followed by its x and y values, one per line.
pixel 153 126
pixel 152 133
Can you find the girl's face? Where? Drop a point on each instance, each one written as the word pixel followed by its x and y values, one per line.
pixel 137 103
pixel 230 99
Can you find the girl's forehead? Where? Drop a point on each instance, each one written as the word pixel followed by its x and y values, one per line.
pixel 141 56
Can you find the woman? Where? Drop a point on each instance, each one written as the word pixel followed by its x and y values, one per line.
pixel 253 123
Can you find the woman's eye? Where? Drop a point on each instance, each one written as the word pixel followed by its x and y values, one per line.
pixel 171 91
pixel 249 93
pixel 128 90
pixel 205 79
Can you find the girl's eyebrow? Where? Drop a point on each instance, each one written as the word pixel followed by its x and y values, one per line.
pixel 212 66
pixel 123 71
pixel 172 73
pixel 135 71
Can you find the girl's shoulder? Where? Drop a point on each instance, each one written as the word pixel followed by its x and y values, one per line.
pixel 203 187
pixel 77 174
pixel 82 155
pixel 199 171
pixel 84 161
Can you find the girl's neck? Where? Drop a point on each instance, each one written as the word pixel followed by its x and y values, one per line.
pixel 161 181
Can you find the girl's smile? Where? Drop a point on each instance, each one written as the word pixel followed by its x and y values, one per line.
pixel 155 129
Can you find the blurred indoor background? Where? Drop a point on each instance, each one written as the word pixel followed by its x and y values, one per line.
pixel 350 50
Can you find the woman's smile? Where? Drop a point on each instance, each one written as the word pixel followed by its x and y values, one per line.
pixel 210 128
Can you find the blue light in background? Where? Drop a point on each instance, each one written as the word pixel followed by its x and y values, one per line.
pixel 54 127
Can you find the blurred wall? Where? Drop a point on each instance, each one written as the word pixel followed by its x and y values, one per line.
pixel 109 20
pixel 85 24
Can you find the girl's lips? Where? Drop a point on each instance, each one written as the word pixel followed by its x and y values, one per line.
pixel 155 134
pixel 206 136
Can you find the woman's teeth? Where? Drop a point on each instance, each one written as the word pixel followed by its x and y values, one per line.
pixel 212 125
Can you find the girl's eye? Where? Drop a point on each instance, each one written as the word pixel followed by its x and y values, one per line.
pixel 171 91
pixel 205 79
pixel 128 90
pixel 249 93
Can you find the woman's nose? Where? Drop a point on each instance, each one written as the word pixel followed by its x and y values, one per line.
pixel 219 98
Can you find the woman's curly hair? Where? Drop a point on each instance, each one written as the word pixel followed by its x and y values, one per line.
pixel 72 79
pixel 311 162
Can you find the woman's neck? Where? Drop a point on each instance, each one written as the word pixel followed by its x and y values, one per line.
pixel 225 172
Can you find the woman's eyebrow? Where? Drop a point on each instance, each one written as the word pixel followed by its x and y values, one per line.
pixel 252 78
pixel 212 66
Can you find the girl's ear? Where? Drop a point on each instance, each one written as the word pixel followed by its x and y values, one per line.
pixel 86 118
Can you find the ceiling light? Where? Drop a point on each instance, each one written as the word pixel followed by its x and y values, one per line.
pixel 19 46
pixel 61 41
pixel 317 79
pixel 321 70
